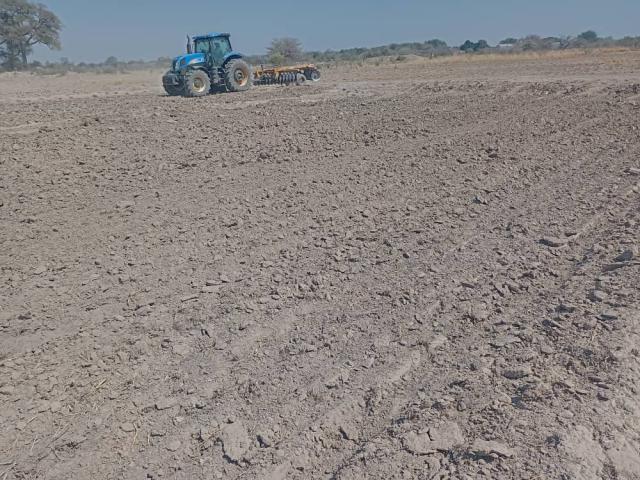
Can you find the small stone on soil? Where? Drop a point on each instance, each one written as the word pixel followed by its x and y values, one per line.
pixel 127 427
pixel 625 256
pixel 174 446
pixel 597 296
pixel 609 315
pixel 166 403
pixel 188 298
pixel 517 373
pixel 553 242
pixel 7 390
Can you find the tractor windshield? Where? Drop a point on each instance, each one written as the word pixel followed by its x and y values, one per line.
pixel 221 45
pixel 217 47
pixel 203 46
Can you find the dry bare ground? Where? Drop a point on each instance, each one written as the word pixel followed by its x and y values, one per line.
pixel 423 270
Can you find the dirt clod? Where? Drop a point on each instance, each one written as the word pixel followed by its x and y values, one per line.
pixel 491 447
pixel 626 256
pixel 441 438
pixel 174 445
pixel 127 427
pixel 553 242
pixel 235 441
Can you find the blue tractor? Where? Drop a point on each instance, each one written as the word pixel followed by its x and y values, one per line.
pixel 210 65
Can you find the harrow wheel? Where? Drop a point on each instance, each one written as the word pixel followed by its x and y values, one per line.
pixel 312 74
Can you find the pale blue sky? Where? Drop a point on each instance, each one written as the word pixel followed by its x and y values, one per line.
pixel 147 29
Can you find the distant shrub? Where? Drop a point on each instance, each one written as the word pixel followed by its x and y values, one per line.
pixel 284 49
pixel 470 46
pixel 589 36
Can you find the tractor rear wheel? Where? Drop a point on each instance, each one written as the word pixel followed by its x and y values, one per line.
pixel 237 76
pixel 196 84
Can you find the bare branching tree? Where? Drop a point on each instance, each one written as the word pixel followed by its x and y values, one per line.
pixel 22 26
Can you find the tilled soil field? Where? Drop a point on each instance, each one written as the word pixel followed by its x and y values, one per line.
pixel 421 270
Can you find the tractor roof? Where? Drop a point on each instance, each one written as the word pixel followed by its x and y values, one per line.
pixel 211 35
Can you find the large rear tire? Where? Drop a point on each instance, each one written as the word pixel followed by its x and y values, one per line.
pixel 196 84
pixel 237 75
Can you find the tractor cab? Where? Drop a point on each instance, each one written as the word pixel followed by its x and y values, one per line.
pixel 215 48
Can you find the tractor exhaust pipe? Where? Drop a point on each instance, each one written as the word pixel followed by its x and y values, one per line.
pixel 189 47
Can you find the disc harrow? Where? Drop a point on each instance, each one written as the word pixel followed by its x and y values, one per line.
pixel 296 74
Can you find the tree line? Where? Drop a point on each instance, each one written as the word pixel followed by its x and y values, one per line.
pixel 587 39
pixel 24 24
pixel 436 47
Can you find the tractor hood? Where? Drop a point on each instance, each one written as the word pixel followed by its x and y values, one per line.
pixel 186 60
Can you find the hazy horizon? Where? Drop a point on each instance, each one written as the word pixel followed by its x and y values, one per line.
pixel 150 29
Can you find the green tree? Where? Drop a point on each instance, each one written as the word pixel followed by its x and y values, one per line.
pixel 436 43
pixel 284 50
pixel 23 25
pixel 468 46
pixel 589 36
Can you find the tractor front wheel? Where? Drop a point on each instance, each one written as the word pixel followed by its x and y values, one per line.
pixel 196 84
pixel 237 76
pixel 171 86
pixel 172 90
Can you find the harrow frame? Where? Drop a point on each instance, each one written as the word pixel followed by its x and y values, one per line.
pixel 273 75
